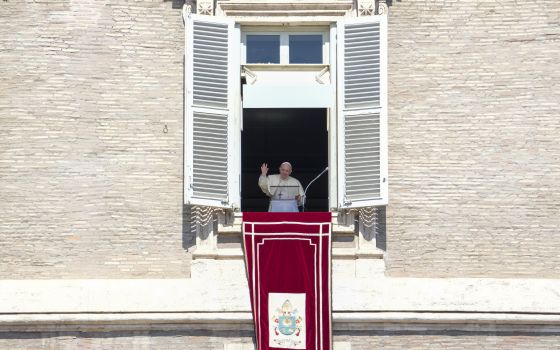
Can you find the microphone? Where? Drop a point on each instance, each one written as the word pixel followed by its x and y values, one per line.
pixel 305 191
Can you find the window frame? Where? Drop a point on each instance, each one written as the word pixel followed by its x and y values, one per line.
pixel 331 52
pixel 284 34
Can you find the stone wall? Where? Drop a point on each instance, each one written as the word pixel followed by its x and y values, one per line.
pixel 206 340
pixel 91 139
pixel 474 101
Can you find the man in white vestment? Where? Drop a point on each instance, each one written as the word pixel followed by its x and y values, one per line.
pixel 285 192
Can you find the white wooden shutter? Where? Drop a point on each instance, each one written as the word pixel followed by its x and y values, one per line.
pixel 362 111
pixel 211 80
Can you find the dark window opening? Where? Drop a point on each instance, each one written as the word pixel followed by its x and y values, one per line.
pixel 274 135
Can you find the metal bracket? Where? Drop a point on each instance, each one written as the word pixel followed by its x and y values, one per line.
pixel 321 74
pixel 250 74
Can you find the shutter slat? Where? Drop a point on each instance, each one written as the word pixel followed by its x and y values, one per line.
pixel 360 93
pixel 357 50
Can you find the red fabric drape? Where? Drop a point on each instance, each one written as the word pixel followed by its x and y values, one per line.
pixel 289 267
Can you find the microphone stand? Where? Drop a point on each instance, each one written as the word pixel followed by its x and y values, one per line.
pixel 305 191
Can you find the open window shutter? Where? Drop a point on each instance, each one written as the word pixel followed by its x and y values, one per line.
pixel 362 111
pixel 210 90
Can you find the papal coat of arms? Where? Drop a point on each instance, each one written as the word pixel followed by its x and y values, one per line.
pixel 287 326
pixel 287 320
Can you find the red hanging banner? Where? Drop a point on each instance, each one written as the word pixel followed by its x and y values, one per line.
pixel 288 261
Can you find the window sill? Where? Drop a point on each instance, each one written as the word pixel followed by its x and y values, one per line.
pixel 237 254
pixel 291 67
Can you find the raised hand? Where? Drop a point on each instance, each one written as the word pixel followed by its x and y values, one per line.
pixel 264 169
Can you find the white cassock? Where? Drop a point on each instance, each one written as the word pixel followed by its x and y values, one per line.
pixel 282 192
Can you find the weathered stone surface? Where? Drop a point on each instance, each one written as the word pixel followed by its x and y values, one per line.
pixel 91 140
pixel 92 184
pixel 474 102
pixel 175 340
pixel 222 294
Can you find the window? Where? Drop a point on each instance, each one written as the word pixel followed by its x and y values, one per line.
pixel 263 48
pixel 357 122
pixel 288 47
pixel 306 48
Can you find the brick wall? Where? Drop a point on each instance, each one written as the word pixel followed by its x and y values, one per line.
pixel 92 185
pixel 474 157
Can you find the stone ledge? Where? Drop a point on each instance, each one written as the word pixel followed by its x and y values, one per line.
pixel 251 346
pixel 548 323
pixel 218 295
pixel 260 19
pixel 284 7
pixel 237 253
pixel 233 229
pixel 220 253
pixel 235 226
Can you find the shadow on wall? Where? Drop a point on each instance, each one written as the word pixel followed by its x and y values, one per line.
pixel 176 4
pixel 381 229
pixel 189 228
